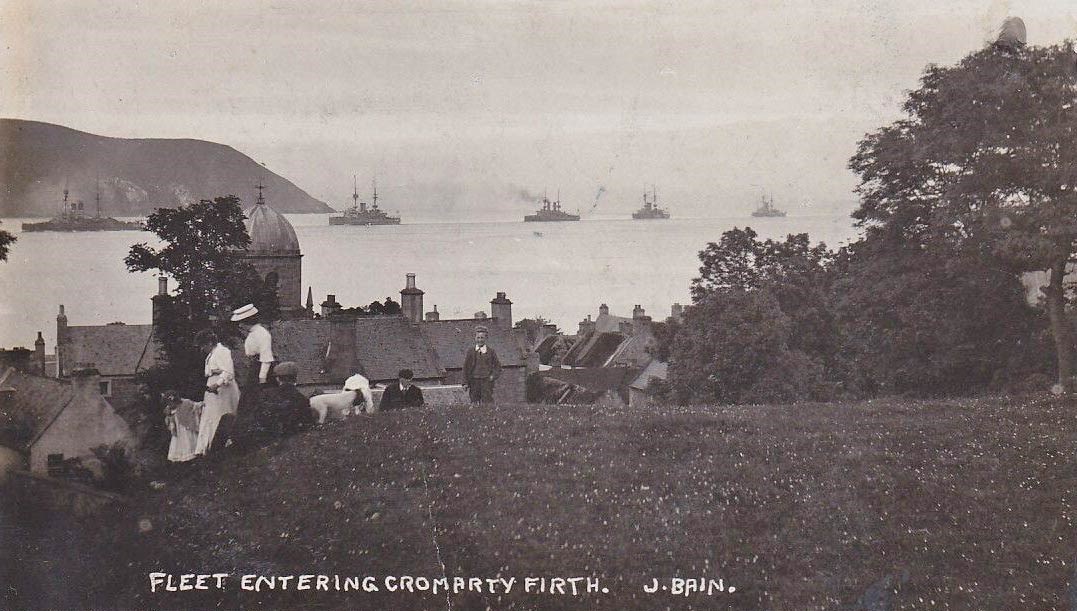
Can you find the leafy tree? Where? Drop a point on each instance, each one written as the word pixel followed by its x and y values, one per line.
pixel 717 354
pixel 202 252
pixel 733 347
pixel 6 240
pixel 391 307
pixel 983 164
pixel 917 322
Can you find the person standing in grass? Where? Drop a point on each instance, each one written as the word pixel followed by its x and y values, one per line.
pixel 481 369
pixel 222 394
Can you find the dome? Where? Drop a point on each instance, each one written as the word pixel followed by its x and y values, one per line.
pixel 270 232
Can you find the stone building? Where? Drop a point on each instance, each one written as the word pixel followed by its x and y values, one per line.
pixel 274 253
pixel 57 420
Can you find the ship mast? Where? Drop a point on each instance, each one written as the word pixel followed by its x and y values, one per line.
pixel 355 191
pixel 375 183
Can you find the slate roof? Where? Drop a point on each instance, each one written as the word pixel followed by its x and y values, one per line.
pixel 113 349
pixel 597 380
pixel 387 345
pixel 593 349
pixel 632 351
pixel 303 342
pixel 451 339
pixel 36 399
pixel 379 347
pixel 656 369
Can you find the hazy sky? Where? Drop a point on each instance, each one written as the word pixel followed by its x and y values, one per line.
pixel 469 105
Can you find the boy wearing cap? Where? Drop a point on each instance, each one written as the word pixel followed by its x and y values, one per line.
pixel 401 393
pixel 481 369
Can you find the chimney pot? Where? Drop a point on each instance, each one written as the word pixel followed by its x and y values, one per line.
pixel 162 285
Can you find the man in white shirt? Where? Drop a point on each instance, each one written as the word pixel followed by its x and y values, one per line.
pixel 259 342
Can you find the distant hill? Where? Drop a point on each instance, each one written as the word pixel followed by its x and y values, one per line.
pixel 38 159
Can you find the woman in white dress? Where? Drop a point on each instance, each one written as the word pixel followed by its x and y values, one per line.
pixel 222 393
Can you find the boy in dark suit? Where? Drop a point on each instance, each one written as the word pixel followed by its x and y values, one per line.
pixel 481 369
pixel 401 393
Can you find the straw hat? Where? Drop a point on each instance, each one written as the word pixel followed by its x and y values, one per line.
pixel 244 313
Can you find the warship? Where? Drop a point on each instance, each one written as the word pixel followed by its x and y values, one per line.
pixel 73 217
pixel 360 214
pixel 550 212
pixel 650 209
pixel 766 208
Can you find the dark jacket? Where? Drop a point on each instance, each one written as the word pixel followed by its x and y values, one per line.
pixel 481 366
pixel 395 398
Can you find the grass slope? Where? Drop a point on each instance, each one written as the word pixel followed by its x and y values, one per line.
pixel 882 505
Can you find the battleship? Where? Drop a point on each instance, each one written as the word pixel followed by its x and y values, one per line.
pixel 73 217
pixel 361 214
pixel 766 208
pixel 650 209
pixel 550 212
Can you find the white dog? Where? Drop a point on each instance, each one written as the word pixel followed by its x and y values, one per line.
pixel 344 401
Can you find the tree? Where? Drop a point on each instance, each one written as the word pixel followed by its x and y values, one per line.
pixel 734 348
pixel 918 322
pixel 983 165
pixel 203 243
pixel 6 240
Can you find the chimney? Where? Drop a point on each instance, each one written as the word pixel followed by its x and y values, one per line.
pixel 637 312
pixel 330 305
pixel 86 380
pixel 61 341
pixel 501 310
pixel 586 326
pixel 159 299
pixel 39 354
pixel 677 312
pixel 603 310
pixel 433 316
pixel 411 300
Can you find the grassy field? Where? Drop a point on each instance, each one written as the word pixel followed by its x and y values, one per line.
pixel 881 505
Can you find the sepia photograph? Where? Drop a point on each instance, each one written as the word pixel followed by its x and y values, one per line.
pixel 568 305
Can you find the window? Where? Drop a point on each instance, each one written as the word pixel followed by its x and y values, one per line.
pixel 106 387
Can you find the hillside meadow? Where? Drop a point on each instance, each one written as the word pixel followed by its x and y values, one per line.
pixel 895 504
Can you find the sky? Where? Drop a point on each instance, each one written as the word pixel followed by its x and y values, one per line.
pixel 473 108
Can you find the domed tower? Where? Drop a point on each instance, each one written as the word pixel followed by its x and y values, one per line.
pixel 274 252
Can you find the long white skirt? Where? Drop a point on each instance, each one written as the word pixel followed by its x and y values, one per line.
pixel 224 401
pixel 184 444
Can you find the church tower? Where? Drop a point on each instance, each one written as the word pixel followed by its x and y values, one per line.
pixel 274 252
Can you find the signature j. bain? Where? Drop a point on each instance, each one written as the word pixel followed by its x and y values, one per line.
pixel 687 586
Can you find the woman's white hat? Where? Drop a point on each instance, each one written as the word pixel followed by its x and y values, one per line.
pixel 243 313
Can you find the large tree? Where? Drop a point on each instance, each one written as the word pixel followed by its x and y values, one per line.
pixel 759 328
pixel 984 163
pixel 201 249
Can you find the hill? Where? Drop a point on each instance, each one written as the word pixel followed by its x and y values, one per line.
pixel 135 175
pixel 879 505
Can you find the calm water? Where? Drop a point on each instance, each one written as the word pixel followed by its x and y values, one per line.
pixel 563 275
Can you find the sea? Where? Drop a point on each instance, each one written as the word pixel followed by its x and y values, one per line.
pixel 558 271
